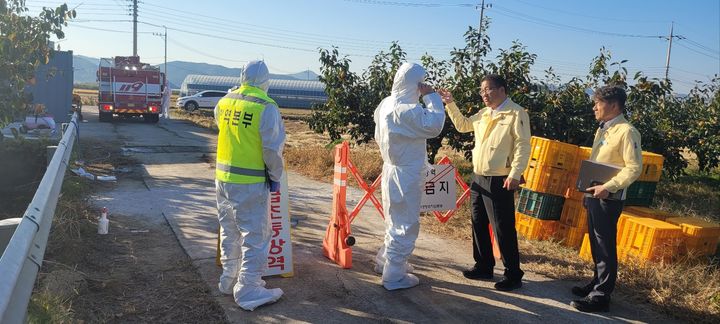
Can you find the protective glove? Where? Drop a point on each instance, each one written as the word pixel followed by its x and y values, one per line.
pixel 274 186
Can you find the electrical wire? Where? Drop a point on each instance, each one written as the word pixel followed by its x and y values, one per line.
pixel 413 4
pixel 527 18
pixel 698 52
pixel 260 28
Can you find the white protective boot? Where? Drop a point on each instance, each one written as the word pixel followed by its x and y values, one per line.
pixel 408 281
pixel 380 262
pixel 228 277
pixel 227 281
pixel 256 296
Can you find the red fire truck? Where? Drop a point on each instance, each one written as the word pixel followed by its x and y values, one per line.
pixel 129 87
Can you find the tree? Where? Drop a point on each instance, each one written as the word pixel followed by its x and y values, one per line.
pixel 668 125
pixel 703 110
pixel 469 67
pixel 23 48
pixel 352 99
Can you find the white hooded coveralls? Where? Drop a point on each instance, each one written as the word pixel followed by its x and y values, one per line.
pixel 402 126
pixel 245 231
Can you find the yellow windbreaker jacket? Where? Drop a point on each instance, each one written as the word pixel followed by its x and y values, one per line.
pixel 619 145
pixel 502 142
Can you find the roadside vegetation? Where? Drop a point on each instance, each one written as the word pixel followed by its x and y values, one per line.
pixel 127 275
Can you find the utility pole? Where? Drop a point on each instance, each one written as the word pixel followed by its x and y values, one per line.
pixel 482 15
pixel 667 61
pixel 135 27
pixel 164 37
pixel 670 39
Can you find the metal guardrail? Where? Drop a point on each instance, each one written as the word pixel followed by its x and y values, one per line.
pixel 21 261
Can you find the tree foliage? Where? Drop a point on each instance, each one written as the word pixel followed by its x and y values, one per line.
pixel 669 125
pixel 23 48
pixel 352 99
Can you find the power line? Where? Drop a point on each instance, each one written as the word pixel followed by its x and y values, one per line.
pixel 698 52
pixel 214 20
pixel 577 14
pixel 701 46
pixel 189 48
pixel 413 4
pixel 540 21
pixel 108 30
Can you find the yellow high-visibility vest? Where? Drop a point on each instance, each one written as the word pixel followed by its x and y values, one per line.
pixel 239 149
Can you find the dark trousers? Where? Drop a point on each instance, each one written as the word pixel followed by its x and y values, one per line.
pixel 493 204
pixel 603 215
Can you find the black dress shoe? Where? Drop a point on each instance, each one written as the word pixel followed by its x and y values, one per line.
pixel 508 284
pixel 475 273
pixel 582 291
pixel 591 305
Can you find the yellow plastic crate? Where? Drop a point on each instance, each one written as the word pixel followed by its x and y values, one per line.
pixel 647 212
pixel 652 165
pixel 701 236
pixel 648 239
pixel 570 236
pixel 546 179
pixel 585 252
pixel 583 154
pixel 574 214
pixel 553 153
pixel 533 228
pixel 572 193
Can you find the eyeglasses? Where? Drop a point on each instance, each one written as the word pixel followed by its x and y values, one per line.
pixel 486 90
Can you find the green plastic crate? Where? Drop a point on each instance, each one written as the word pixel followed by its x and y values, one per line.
pixel 640 193
pixel 540 205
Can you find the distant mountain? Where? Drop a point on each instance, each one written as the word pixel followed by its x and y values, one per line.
pixel 85 68
pixel 305 75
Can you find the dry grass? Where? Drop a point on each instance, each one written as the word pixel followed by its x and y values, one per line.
pixel 120 277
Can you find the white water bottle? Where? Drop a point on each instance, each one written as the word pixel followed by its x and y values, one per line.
pixel 104 222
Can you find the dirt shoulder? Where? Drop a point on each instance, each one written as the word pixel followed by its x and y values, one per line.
pixel 137 273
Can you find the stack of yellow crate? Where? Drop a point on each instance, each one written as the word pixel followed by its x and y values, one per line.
pixel 645 234
pixel 701 237
pixel 573 219
pixel 647 239
pixel 542 196
pixel 642 191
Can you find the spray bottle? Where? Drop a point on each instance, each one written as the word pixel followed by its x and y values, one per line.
pixel 104 222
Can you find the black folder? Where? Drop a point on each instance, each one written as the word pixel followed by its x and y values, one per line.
pixel 594 173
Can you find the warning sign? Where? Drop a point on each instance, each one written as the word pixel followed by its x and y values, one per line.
pixel 280 255
pixel 439 189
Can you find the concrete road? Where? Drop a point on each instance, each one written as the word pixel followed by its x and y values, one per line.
pixel 178 185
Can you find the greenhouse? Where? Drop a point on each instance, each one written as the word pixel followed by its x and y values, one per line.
pixel 287 93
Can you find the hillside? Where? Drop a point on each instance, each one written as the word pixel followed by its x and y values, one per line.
pixel 86 66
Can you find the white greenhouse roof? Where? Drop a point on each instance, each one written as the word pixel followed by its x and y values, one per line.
pixel 216 80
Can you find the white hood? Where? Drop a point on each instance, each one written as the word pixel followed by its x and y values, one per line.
pixel 256 74
pixel 405 86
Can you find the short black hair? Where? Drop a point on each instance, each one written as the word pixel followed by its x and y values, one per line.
pixel 496 80
pixel 611 94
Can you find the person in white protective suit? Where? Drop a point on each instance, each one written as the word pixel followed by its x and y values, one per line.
pixel 167 93
pixel 402 126
pixel 249 166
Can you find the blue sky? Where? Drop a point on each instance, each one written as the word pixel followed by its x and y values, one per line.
pixel 564 34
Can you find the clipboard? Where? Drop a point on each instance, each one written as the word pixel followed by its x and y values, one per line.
pixel 594 173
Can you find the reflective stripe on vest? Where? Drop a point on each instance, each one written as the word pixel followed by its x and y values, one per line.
pixel 239 151
pixel 240 171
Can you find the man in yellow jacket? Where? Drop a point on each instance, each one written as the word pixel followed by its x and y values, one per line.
pixel 616 142
pixel 500 156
